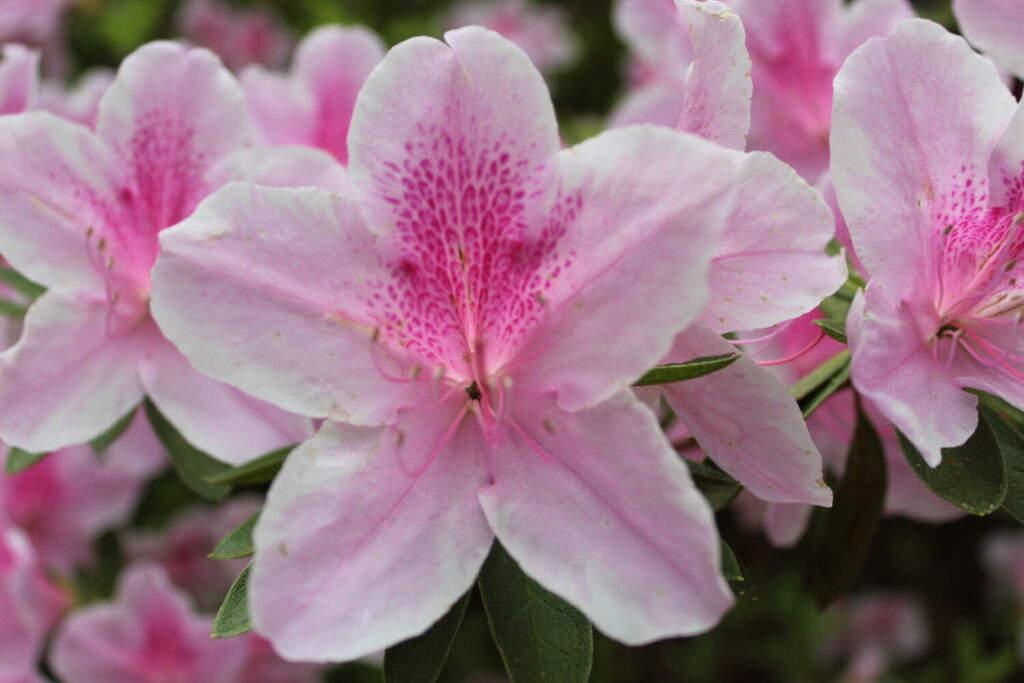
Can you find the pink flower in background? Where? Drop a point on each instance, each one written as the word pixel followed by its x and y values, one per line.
pixel 19 79
pixel 928 157
pixel 1003 557
pixel 313 104
pixel 70 497
pixel 240 37
pixel 797 47
pixel 452 321
pixel 79 103
pixel 183 549
pixel 994 27
pixel 29 603
pixel 31 21
pixel 541 31
pixel 875 631
pixel 80 212
pixel 149 633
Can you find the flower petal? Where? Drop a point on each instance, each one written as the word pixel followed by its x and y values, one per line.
pixel 639 246
pixel 287 278
pixel 771 265
pixel 993 26
pixel 785 523
pixel 656 103
pixel 19 79
pixel 66 380
pixel 212 416
pixel 634 547
pixel 746 420
pixel 355 550
pixel 905 134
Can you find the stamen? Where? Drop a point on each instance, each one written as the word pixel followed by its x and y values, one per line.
pixel 445 438
pixel 537 448
pixel 1007 353
pixel 378 364
pixel 792 357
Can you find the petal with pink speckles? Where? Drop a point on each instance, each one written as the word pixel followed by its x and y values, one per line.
pixel 370 534
pixel 617 490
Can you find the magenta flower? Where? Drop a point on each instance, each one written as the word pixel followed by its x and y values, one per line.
pixel 149 633
pixel 541 31
pixel 19 79
pixel 66 500
pixel 927 168
pixel 313 105
pixel 80 212
pixel 452 323
pixel 239 36
pixel 993 26
pixel 29 603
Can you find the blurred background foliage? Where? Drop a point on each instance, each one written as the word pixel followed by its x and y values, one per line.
pixel 776 632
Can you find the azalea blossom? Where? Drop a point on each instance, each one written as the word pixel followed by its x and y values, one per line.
pixel 19 78
pixel 875 631
pixel 313 104
pixel 30 604
pixel 79 103
pixel 451 322
pixel 149 633
pixel 993 26
pixel 80 212
pixel 541 31
pixel 927 165
pixel 71 496
pixel 240 37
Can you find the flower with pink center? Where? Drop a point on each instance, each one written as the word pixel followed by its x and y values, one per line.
pixel 29 603
pixel 148 633
pixel 993 26
pixel 80 212
pixel 928 163
pixel 19 79
pixel 541 31
pixel 451 321
pixel 313 104
pixel 240 37
pixel 79 103
pixel 67 499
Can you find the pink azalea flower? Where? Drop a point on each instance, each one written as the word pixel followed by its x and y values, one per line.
pixel 80 103
pixel 927 164
pixel 313 105
pixel 876 630
pixel 769 267
pixel 19 79
pixel 263 665
pixel 29 603
pixel 71 496
pixel 80 212
pixel 31 21
pixel 239 37
pixel 149 633
pixel 541 31
pixel 993 26
pixel 452 323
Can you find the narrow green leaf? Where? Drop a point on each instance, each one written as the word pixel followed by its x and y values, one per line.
pixel 105 440
pixel 12 309
pixel 233 616
pixel 542 639
pixel 257 471
pixel 238 543
pixel 421 659
pixel 718 487
pixel 833 328
pixel 191 464
pixel 19 460
pixel 971 476
pixel 856 512
pixel 679 372
pixel 1011 445
pixel 734 573
pixel 813 401
pixel 821 376
pixel 20 283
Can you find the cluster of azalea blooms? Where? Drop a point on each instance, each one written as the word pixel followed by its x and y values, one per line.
pixel 466 354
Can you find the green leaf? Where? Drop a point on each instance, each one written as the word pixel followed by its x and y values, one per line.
pixel 811 391
pixel 257 471
pixel 833 328
pixel 233 616
pixel 238 543
pixel 971 476
pixel 731 569
pixel 19 460
pixel 679 372
pixel 105 440
pixel 812 402
pixel 191 464
pixel 1011 445
pixel 856 513
pixel 12 309
pixel 718 487
pixel 542 639
pixel 20 283
pixel 421 659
